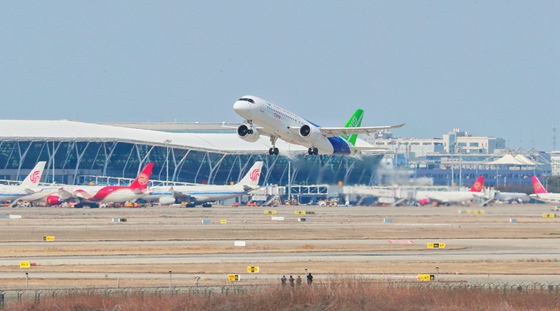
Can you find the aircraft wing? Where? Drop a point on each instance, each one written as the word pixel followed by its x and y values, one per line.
pixel 81 194
pixel 262 130
pixel 338 131
pixel 31 191
pixel 181 195
pixel 64 194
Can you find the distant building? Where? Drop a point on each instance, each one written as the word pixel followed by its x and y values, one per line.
pixel 555 163
pixel 458 158
pixel 462 142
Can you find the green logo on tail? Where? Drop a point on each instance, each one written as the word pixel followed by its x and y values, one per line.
pixel 355 121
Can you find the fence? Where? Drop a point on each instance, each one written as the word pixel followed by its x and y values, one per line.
pixel 207 291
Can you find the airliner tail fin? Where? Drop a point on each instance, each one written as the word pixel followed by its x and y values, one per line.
pixel 355 121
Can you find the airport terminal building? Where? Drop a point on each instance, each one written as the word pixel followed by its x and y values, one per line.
pixel 75 151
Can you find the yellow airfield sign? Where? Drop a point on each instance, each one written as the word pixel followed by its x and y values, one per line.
pixel 426 277
pixel 48 238
pixel 436 245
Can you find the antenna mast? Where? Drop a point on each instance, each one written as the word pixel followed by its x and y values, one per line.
pixel 554 138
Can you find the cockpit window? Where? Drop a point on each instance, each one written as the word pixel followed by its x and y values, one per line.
pixel 247 100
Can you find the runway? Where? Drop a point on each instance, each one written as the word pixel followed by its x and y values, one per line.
pixel 351 241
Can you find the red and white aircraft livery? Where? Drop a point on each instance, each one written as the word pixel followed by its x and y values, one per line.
pixel 105 194
pixel 541 194
pixel 448 197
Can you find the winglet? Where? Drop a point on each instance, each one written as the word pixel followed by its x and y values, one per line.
pixel 32 180
pixel 355 121
pixel 253 175
pixel 141 182
pixel 537 186
pixel 478 185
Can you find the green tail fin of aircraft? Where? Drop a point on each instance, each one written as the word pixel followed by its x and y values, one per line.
pixel 355 121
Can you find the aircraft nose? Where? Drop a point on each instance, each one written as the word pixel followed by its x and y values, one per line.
pixel 242 107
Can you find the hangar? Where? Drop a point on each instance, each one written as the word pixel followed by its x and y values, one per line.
pixel 74 150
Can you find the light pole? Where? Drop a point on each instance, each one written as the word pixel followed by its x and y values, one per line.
pixel 26 282
pixel 460 168
pixel 170 281
pixel 452 169
pixel 289 181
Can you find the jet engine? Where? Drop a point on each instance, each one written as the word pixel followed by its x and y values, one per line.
pixel 166 200
pixel 248 134
pixel 311 133
pixel 423 201
pixel 53 200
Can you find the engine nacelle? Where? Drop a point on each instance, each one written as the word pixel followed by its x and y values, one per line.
pixel 311 133
pixel 53 200
pixel 423 201
pixel 248 134
pixel 167 200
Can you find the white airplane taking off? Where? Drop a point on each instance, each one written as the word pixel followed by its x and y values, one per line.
pixel 201 195
pixel 28 186
pixel 267 119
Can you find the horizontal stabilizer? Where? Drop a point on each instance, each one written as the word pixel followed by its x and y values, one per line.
pixel 250 188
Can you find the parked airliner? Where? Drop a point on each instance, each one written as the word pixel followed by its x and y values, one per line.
pixel 541 194
pixel 267 119
pixel 203 194
pixel 448 197
pixel 28 186
pixel 105 194
pixel 511 197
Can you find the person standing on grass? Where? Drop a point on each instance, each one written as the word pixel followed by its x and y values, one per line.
pixel 298 281
pixel 292 281
pixel 283 280
pixel 309 279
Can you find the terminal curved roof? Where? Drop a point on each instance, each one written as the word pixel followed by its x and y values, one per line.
pixel 509 159
pixel 66 130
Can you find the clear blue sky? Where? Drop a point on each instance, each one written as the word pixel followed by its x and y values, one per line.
pixel 488 67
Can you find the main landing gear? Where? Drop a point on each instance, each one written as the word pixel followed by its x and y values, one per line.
pixel 273 150
pixel 311 151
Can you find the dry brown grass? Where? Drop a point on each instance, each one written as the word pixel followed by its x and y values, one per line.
pixel 338 294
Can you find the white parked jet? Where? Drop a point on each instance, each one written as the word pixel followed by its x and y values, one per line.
pixel 264 118
pixel 28 186
pixel 203 194
pixel 541 194
pixel 448 197
pixel 511 197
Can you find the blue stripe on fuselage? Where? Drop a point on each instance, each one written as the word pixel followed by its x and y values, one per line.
pixel 340 146
pixel 317 125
